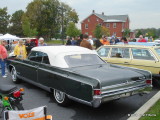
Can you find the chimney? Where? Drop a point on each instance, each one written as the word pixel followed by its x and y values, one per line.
pixel 102 13
pixel 93 11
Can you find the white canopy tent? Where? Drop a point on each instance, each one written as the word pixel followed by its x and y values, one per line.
pixel 9 37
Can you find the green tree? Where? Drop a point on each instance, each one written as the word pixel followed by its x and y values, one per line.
pixel 126 33
pixel 4 20
pixel 151 32
pixel 158 33
pixel 40 17
pixel 47 16
pixel 70 15
pixel 16 23
pixel 27 30
pixel 139 33
pixel 98 32
pixel 101 30
pixel 105 31
pixel 155 33
pixel 72 30
pixel 73 16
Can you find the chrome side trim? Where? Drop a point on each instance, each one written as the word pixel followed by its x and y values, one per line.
pixel 35 83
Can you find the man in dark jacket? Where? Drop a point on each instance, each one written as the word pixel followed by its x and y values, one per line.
pixel 68 41
pixel 29 45
pixel 79 40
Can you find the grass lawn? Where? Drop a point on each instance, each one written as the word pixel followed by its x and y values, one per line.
pixel 153 113
pixel 54 42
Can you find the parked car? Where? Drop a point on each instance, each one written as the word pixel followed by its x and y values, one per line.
pixel 141 57
pixel 157 41
pixel 77 73
pixel 141 43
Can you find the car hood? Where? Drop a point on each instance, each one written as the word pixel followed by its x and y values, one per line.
pixel 109 75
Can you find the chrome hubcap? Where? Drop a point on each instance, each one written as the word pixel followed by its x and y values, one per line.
pixel 59 96
pixel 14 74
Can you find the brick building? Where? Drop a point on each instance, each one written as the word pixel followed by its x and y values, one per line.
pixel 115 23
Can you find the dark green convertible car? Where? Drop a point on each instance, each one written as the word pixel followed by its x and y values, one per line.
pixel 79 74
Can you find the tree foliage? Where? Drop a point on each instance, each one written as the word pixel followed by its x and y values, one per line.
pixel 4 20
pixel 126 33
pixel 72 30
pixel 139 33
pixel 47 16
pixel 105 31
pixel 16 23
pixel 42 17
pixel 98 32
pixel 27 30
pixel 148 32
pixel 101 30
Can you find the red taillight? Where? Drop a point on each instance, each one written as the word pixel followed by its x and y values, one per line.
pixel 17 94
pixel 97 92
pixel 148 81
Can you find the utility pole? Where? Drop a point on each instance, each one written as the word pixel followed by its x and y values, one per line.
pixel 62 25
pixel 62 22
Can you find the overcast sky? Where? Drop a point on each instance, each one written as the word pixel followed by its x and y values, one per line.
pixel 142 13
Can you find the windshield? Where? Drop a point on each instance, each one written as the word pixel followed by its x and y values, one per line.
pixel 158 51
pixel 82 60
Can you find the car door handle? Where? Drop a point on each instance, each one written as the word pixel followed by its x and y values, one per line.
pixel 36 66
pixel 125 62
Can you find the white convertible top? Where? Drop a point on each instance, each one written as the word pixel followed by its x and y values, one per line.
pixel 56 53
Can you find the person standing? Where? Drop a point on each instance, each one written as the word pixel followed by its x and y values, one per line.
pixel 98 43
pixel 105 41
pixel 124 40
pixel 41 42
pixel 150 39
pixel 85 42
pixel 3 57
pixel 29 45
pixel 141 39
pixel 116 40
pixel 90 40
pixel 73 41
pixel 113 41
pixel 68 41
pixel 79 40
pixel 20 50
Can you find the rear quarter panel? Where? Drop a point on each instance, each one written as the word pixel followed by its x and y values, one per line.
pixel 69 82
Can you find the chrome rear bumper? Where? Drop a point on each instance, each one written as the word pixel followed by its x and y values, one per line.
pixel 97 100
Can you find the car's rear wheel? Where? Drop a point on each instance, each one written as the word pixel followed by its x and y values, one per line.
pixel 61 98
pixel 15 79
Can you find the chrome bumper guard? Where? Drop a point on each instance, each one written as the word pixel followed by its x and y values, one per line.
pixel 104 97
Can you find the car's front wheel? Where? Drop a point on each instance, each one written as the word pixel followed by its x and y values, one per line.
pixel 61 98
pixel 15 79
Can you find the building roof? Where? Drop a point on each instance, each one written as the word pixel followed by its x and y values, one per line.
pixel 111 18
pixel 114 18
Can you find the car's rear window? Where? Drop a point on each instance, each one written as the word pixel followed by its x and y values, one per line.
pixel 82 60
pixel 142 54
